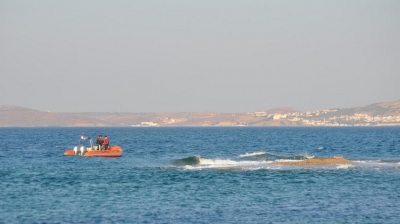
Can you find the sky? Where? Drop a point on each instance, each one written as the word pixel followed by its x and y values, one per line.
pixel 196 56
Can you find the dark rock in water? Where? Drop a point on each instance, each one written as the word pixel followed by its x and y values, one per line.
pixel 191 160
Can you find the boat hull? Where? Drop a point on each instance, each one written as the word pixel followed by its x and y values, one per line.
pixel 113 151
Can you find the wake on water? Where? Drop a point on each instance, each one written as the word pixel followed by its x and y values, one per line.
pixel 264 161
pixel 253 154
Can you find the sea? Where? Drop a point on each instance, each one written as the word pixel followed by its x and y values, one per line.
pixel 201 175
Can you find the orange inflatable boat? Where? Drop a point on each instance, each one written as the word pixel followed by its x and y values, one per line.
pixel 92 151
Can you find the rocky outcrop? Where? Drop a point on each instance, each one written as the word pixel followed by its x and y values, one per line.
pixel 316 161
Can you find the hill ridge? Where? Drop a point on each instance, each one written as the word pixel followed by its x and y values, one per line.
pixel 375 114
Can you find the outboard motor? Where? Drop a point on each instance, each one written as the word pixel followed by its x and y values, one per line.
pixel 83 150
pixel 76 150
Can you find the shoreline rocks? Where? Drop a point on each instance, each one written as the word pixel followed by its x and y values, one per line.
pixel 316 161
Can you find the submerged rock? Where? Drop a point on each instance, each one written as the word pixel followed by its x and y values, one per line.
pixel 316 161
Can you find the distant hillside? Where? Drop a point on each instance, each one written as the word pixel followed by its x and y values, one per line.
pixel 376 109
pixel 383 109
pixel 281 110
pixel 14 116
pixel 386 113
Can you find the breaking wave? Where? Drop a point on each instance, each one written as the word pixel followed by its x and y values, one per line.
pixel 265 161
pixel 260 156
pixel 253 154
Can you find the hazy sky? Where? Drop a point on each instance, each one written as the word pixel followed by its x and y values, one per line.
pixel 193 56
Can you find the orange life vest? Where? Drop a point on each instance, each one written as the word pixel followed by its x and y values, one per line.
pixel 105 141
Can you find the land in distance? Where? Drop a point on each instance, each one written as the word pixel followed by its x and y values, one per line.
pixel 377 114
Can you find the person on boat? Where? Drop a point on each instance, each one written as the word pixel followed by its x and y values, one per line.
pixel 83 137
pixel 99 142
pixel 106 143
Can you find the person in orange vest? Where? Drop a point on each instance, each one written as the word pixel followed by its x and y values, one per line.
pixel 106 143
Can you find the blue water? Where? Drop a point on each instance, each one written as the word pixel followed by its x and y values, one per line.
pixel 201 175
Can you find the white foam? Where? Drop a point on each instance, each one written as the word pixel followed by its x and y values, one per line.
pixel 252 154
pixel 376 164
pixel 344 166
pixel 359 161
pixel 217 162
pixel 228 164
pixel 309 157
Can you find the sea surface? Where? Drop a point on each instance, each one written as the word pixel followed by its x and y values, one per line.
pixel 201 175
